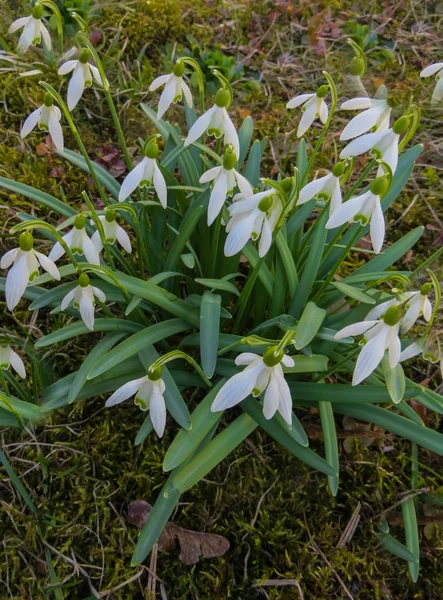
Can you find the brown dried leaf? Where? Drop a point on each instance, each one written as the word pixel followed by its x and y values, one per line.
pixel 193 544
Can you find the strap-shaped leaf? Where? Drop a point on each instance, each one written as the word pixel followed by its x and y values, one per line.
pixel 75 329
pixel 309 324
pixel 38 196
pixel 331 444
pixel 353 292
pixel 411 534
pixel 209 331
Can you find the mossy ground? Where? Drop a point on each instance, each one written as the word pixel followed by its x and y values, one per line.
pixel 82 468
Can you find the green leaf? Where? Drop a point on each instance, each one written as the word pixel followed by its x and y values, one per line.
pixel 396 548
pixel 133 303
pixel 96 353
pixel 38 196
pixel 353 292
pixel 187 442
pixel 331 445
pixel 209 331
pixel 309 324
pixel 17 483
pixel 135 343
pixel 26 410
pixel 188 225
pixel 244 138
pixel 395 380
pixel 188 260
pixel 288 263
pixel 252 169
pixel 307 392
pixel 308 364
pixel 211 455
pixel 411 534
pixel 302 158
pixel 75 329
pixel 144 431
pixel 105 178
pixel 264 275
pixel 219 284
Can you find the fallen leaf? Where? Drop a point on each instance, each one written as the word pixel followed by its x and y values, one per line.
pixel 193 544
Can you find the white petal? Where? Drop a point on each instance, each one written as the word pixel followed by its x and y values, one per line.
pixel 67 67
pixel 160 185
pixel 243 185
pixel 210 174
pixel 87 309
pixel 218 197
pixel 336 198
pixel 370 356
pixel 354 329
pixel 90 251
pixel 312 189
pixel 237 388
pixel 8 258
pixel 380 309
pixel 394 351
pixel 132 180
pixel 247 358
pixel 158 82
pixel 357 104
pixel 307 119
pixel 76 87
pixel 271 399
pixel 98 293
pixel 96 240
pixel 361 123
pixel 46 37
pixel 362 144
pixel 17 363
pixel 188 94
pixel 125 391
pixel 265 238
pixel 166 98
pixel 427 309
pixel 157 411
pixel 48 265
pixel 288 361
pixel 16 282
pixel 200 126
pixel 18 24
pixel 323 111
pixel 285 399
pixel 30 122
pixel 95 74
pixel 68 299
pixel 412 350
pixel 55 129
pixel 231 135
pixel 123 239
pixel 377 228
pixel 239 235
pixel 298 100
pixel 431 69
pixel 28 35
pixel 347 211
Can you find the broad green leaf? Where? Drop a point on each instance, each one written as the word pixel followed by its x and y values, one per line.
pixel 144 431
pixel 135 343
pixel 133 303
pixel 353 292
pixel 75 329
pixel 252 169
pixel 188 260
pixel 37 196
pixel 186 442
pixel 308 364
pixel 196 300
pixel 297 221
pixel 244 138
pixel 395 380
pixel 209 331
pixel 25 410
pixel 219 284
pixel 302 158
pixel 331 445
pixel 411 534
pixel 309 324
pixel 343 393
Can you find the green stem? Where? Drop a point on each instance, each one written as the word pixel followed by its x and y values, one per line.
pixel 427 262
pixel 244 297
pixel 179 354
pixel 100 229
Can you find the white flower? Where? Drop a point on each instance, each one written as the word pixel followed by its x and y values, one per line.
pixel 79 242
pixel 216 122
pixel 175 87
pixel 146 173
pixel 112 231
pixel 9 357
pixel 254 216
pixel 82 76
pixel 380 335
pixel 383 144
pixel 83 299
pixel 314 106
pixel 225 179
pixel 365 208
pixel 25 268
pixel 327 187
pixel 47 117
pixel 33 30
pixel 148 396
pixel 435 69
pixel 261 373
pixel 429 350
pixel 375 115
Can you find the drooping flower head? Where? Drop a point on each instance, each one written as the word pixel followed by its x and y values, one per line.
pixel 148 392
pixel 47 117
pixel 78 241
pixel 25 261
pixel 175 88
pixel 382 144
pixel 82 76
pixel 314 106
pixel 225 179
pixel 10 358
pixel 365 209
pixel 374 116
pixel 145 174
pixel 33 30
pixel 113 232
pixel 379 335
pixel 252 217
pixel 435 69
pixel 216 122
pixel 82 297
pixel 327 187
pixel 262 374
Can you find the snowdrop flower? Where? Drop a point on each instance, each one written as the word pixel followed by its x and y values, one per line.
pixel 82 76
pixel 327 187
pixel 175 87
pixel 252 217
pixel 382 144
pixel 216 122
pixel 314 106
pixel 375 115
pixel 47 117
pixel 112 231
pixel 10 358
pixel 148 391
pixel 380 335
pixel 78 241
pixel 147 172
pixel 33 30
pixel 26 262
pixel 435 69
pixel 365 208
pixel 262 374
pixel 82 297
pixel 415 303
pixel 428 350
pixel 225 179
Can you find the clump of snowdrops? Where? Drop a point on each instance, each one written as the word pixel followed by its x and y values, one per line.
pixel 200 271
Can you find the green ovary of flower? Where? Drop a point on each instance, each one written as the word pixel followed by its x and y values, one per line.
pixel 393 315
pixel 322 91
pixel 83 280
pixel 151 150
pixel 26 241
pixel 222 98
pixel 271 358
pixel 37 12
pixel 179 69
pixel 357 66
pixel 401 125
pixel 425 289
pixel 265 203
pixel 110 215
pixel 80 222
pixel 229 158
pixel 84 56
pixel 155 374
pixel 379 186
